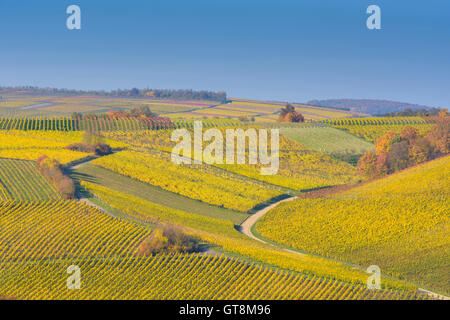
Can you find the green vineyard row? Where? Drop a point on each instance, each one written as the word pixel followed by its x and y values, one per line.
pixel 104 123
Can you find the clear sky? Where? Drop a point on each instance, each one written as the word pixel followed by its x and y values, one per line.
pixel 262 49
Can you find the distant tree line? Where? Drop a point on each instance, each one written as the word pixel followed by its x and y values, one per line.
pixel 431 112
pixel 180 94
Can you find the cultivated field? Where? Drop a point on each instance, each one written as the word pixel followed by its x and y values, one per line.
pixel 124 199
pixel 373 128
pixel 261 111
pixel 399 223
pixel 330 141
pixel 21 180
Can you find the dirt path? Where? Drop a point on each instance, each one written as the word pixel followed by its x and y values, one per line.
pixel 82 198
pixel 79 165
pixel 246 228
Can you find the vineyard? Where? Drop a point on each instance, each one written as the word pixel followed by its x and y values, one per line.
pixel 56 229
pixel 299 167
pixel 104 248
pixel 138 189
pixel 373 128
pixel 399 223
pixel 103 123
pixel 21 180
pixel 220 233
pixel 377 121
pixel 30 145
pixel 103 177
pixel 192 181
pixel 180 276
pixel 260 111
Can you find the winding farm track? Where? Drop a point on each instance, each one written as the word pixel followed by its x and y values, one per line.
pixel 82 198
pixel 247 225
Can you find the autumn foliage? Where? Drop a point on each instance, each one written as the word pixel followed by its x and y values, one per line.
pixel 288 114
pixel 167 239
pixel 395 152
pixel 52 170
pixel 439 135
pixel 139 112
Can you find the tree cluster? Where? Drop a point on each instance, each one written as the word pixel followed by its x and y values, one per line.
pixel 167 239
pixel 137 112
pixel 288 114
pixel 100 149
pixel 394 152
pixel 92 143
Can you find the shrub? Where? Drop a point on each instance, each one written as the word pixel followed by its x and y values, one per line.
pixel 102 149
pixel 82 147
pixel 99 149
pixel 52 170
pixel 394 152
pixel 297 117
pixel 167 239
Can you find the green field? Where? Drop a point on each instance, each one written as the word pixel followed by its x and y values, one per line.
pixel 21 180
pixel 115 181
pixel 331 141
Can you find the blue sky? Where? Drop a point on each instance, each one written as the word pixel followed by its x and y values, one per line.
pixel 278 49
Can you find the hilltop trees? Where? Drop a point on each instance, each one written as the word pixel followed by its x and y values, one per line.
pixel 288 114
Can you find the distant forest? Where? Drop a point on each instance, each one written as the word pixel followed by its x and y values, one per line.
pixel 418 113
pixel 369 106
pixel 181 94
